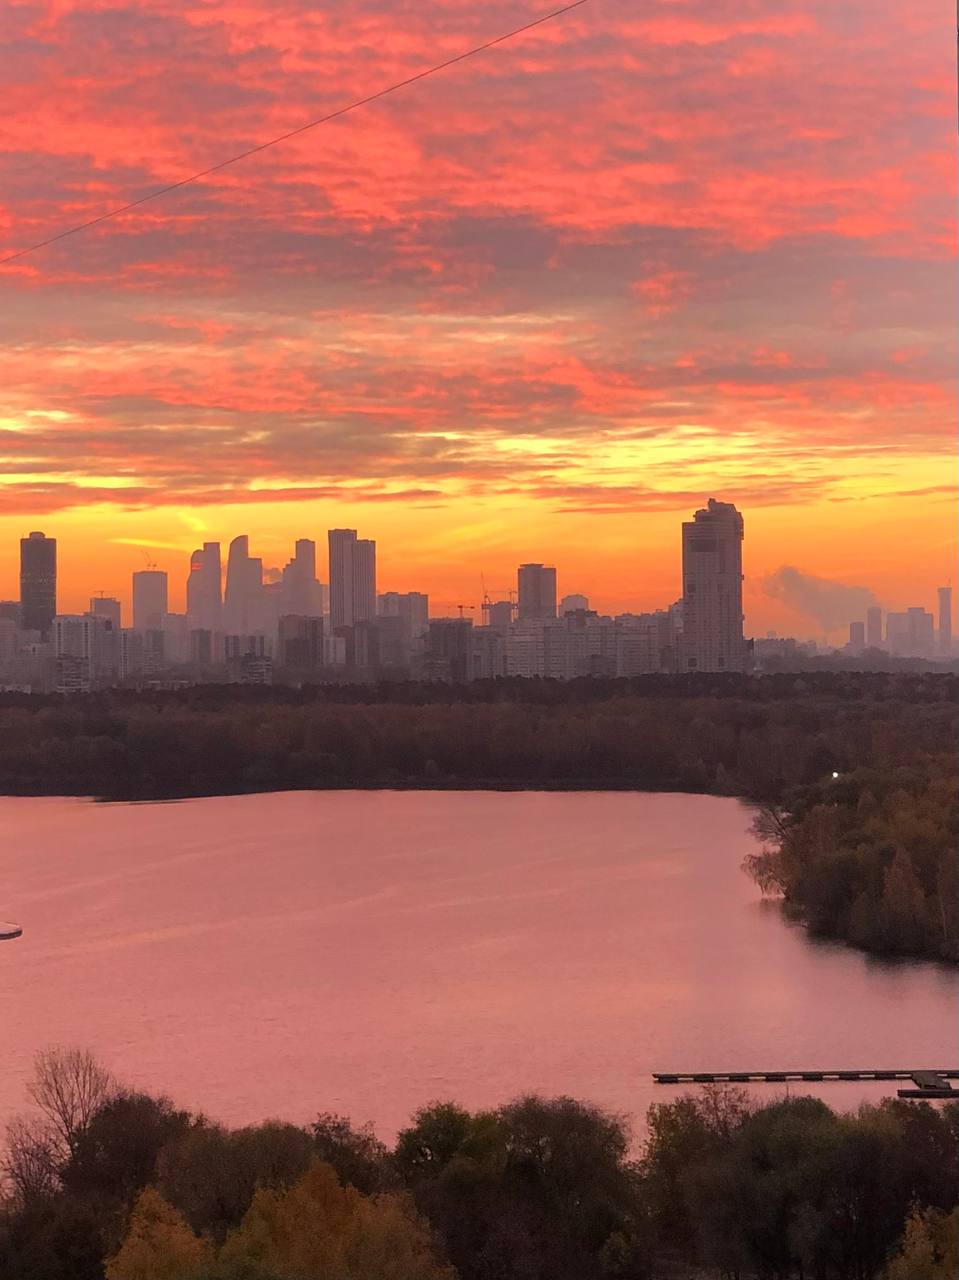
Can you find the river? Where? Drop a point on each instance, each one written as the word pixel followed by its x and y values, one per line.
pixel 367 952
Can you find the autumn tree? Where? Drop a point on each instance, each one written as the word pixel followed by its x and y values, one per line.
pixel 320 1228
pixel 159 1245
pixel 930 1247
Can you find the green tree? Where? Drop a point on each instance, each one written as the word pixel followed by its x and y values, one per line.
pixel 115 1154
pixel 210 1174
pixel 59 1238
pixel 541 1189
pixel 356 1154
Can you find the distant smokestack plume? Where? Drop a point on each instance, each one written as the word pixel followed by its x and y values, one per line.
pixel 831 604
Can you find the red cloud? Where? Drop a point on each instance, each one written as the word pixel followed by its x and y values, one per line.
pixel 706 217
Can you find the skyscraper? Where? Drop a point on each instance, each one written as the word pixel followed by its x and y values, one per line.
pixel 537 592
pixel 945 621
pixel 713 589
pixel 243 604
pixel 874 627
pixel 204 594
pixel 352 578
pixel 38 582
pixel 302 593
pixel 149 599
pixel 922 632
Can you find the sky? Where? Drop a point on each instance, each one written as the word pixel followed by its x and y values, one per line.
pixel 540 306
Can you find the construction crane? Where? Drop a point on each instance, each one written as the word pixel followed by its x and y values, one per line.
pixel 462 608
pixel 506 594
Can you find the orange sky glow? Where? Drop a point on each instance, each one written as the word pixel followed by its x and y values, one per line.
pixel 538 307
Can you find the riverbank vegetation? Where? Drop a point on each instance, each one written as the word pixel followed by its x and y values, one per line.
pixel 102 1183
pixel 871 857
pixel 868 856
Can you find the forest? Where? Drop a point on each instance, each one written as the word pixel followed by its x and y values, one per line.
pixel 104 1183
pixel 853 773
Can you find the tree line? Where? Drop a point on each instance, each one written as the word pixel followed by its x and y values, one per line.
pixel 868 856
pixel 105 1183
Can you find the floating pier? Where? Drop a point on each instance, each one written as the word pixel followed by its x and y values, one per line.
pixel 928 1084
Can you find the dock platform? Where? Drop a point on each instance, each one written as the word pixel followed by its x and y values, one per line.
pixel 928 1083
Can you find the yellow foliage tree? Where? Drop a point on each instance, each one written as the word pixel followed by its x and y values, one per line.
pixel 159 1245
pixel 318 1228
pixel 930 1248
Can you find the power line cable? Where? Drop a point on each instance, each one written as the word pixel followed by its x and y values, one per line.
pixel 292 133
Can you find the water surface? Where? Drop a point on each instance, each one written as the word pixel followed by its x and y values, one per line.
pixel 366 952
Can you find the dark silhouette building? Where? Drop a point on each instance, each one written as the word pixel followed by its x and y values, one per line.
pixel 536 585
pixel 449 648
pixel 300 641
pixel 945 621
pixel 713 589
pixel 204 595
pixel 38 583
pixel 352 579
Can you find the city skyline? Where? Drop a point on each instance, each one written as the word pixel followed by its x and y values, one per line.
pixel 522 312
pixel 247 623
pixel 785 602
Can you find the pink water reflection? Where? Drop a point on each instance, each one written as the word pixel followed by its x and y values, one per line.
pixel 367 952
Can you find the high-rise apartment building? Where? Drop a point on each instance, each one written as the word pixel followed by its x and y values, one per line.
pixel 713 590
pixel 413 607
pixel 352 578
pixel 149 599
pixel 945 621
pixel 536 589
pixel 499 614
pixel 910 634
pixel 106 607
pixel 857 637
pixel 572 604
pixel 87 649
pixel 38 583
pixel 300 641
pixel 922 632
pixel 402 619
pixel 897 633
pixel 874 628
pixel 204 591
pixel 449 648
